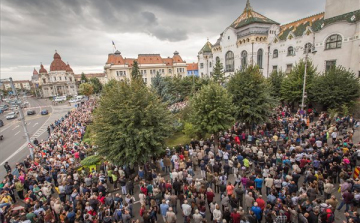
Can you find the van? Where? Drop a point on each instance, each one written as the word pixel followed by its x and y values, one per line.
pixel 60 98
pixel 80 97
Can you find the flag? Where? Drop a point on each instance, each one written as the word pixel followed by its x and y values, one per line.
pixel 113 44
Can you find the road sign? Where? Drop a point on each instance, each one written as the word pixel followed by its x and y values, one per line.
pixel 30 146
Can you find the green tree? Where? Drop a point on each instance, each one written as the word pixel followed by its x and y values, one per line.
pixel 135 72
pixel 251 96
pixel 275 81
pixel 218 74
pixel 212 109
pixel 86 89
pixel 292 85
pixel 336 87
pixel 83 78
pixel 130 123
pixel 96 84
pixel 160 86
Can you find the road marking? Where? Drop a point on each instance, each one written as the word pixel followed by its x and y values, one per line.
pixel 28 123
pixel 15 127
pixel 9 125
pixel 35 124
pixel 16 133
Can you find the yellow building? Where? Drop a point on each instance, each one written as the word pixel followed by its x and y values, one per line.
pixel 119 68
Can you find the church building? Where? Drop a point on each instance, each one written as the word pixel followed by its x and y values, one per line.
pixel 328 38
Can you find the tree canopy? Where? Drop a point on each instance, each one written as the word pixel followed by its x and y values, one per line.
pixel 218 74
pixel 336 87
pixel 212 109
pixel 130 123
pixel 96 84
pixel 251 96
pixel 83 78
pixel 275 81
pixel 135 72
pixel 292 85
pixel 86 89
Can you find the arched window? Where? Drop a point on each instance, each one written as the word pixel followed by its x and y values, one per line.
pixel 307 48
pixel 260 58
pixel 275 54
pixel 333 42
pixel 217 59
pixel 291 51
pixel 243 59
pixel 229 61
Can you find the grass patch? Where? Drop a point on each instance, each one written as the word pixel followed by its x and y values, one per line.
pixel 177 139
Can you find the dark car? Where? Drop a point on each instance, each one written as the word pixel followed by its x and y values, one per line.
pixel 1 123
pixel 31 112
pixel 44 112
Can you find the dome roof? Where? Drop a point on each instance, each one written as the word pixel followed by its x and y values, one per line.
pixel 57 63
pixel 35 72
pixel 68 69
pixel 42 70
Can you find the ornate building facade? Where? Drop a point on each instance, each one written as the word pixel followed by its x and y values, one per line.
pixel 119 68
pixel 59 81
pixel 329 38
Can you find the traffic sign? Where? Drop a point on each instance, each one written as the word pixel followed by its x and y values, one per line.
pixel 30 146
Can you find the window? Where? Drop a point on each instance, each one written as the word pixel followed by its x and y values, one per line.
pixel 145 72
pixel 65 78
pixel 151 72
pixel 229 61
pixel 169 71
pixel 243 59
pixel 291 51
pixel 201 65
pixel 275 54
pixel 163 71
pixel 308 48
pixel 333 42
pixel 54 78
pixel 330 64
pixel 288 68
pixel 209 64
pixel 70 79
pixel 145 80
pixel 228 37
pixel 59 78
pixel 141 72
pixel 260 58
pixel 275 68
pixel 217 59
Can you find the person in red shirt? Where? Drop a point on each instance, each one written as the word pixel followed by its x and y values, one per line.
pixel 144 190
pixel 235 216
pixel 261 202
pixel 210 196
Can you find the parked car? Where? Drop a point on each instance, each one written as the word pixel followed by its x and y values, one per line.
pixel 1 123
pixel 31 112
pixel 44 112
pixel 60 98
pixel 4 107
pixel 11 115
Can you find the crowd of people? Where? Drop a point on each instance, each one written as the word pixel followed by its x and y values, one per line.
pixel 288 170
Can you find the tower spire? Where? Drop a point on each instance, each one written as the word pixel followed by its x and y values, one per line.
pixel 248 7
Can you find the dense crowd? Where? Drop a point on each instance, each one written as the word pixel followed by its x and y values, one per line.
pixel 178 106
pixel 288 170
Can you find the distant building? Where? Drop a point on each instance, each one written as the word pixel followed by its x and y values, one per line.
pixel 119 68
pixel 253 39
pixel 19 85
pixel 59 81
pixel 192 69
pixel 101 76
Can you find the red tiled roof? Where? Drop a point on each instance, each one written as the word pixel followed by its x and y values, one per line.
pixel 115 59
pixel 149 59
pixel 192 66
pixel 177 59
pixel 168 61
pixel 42 70
pixel 57 63
pixel 68 69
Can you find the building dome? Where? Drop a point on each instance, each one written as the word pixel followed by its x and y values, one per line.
pixel 68 69
pixel 42 70
pixel 57 63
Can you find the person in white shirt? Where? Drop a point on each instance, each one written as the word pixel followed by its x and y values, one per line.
pixel 186 208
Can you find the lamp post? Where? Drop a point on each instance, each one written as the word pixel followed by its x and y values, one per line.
pixel 22 118
pixel 312 50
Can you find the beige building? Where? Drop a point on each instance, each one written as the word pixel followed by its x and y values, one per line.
pixel 101 76
pixel 19 85
pixel 119 68
pixel 59 81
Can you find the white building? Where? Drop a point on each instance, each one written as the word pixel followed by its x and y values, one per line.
pixel 59 81
pixel 119 68
pixel 333 37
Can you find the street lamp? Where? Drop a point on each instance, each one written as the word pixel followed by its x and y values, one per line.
pixel 22 118
pixel 313 51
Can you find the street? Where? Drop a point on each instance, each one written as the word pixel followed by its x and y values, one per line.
pixel 13 148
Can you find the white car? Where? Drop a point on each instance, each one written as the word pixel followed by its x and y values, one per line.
pixel 74 100
pixel 11 115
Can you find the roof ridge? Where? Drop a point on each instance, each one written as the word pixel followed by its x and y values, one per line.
pixel 302 19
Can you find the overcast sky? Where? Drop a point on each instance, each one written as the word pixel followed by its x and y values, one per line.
pixel 82 30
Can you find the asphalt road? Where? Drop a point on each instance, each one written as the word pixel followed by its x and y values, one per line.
pixel 13 148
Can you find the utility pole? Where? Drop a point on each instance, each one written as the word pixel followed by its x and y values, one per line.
pixel 304 84
pixel 30 145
